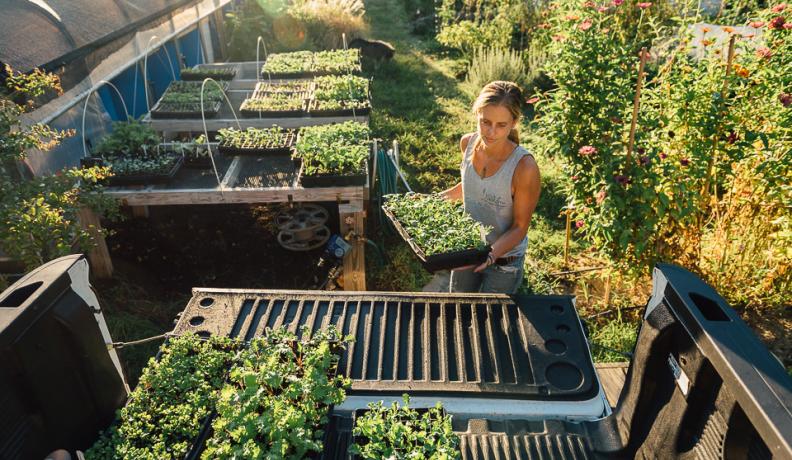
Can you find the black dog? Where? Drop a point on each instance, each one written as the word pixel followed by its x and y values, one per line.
pixel 373 49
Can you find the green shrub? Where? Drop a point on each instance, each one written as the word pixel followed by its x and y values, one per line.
pixel 325 20
pixel 468 36
pixel 490 64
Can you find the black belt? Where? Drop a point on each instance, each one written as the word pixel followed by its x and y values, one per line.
pixel 506 260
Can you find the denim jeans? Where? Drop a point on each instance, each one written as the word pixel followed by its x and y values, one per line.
pixel 495 278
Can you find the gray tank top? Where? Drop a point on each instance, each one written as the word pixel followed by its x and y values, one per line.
pixel 489 200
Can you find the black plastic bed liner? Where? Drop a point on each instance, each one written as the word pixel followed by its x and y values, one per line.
pixel 520 347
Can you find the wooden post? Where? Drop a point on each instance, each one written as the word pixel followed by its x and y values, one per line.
pixel 636 104
pixel 140 211
pixel 99 257
pixel 352 221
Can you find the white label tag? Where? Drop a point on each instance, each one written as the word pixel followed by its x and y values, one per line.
pixel 679 375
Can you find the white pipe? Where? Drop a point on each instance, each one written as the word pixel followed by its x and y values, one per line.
pixel 203 119
pixel 85 109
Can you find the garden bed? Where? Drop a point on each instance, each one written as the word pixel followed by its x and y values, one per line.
pixel 318 108
pixel 446 229
pixel 306 64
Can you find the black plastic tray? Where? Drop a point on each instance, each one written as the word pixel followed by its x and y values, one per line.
pixel 229 75
pixel 331 180
pixel 279 150
pixel 362 111
pixel 443 261
pixel 169 110
pixel 145 179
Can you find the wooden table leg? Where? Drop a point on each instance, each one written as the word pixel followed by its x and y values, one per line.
pixel 352 216
pixel 99 257
pixel 140 211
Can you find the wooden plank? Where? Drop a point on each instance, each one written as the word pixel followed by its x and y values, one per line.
pixel 140 212
pixel 236 195
pixel 216 124
pixel 612 377
pixel 99 257
pixel 352 224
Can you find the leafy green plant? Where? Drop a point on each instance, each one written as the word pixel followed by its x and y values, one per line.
pixel 277 102
pixel 254 137
pixel 337 61
pixel 175 394
pixel 39 216
pixel 322 62
pixel 341 88
pixel 131 138
pixel 435 224
pixel 401 432
pixel 151 165
pixel 339 149
pixel 277 398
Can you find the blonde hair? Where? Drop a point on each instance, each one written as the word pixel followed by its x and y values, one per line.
pixel 503 93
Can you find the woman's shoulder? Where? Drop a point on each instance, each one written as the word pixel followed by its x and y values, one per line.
pixel 463 143
pixel 527 169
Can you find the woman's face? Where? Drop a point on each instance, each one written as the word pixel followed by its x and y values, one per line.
pixel 495 122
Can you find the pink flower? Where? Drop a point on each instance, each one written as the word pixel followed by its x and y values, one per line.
pixel 558 38
pixel 777 23
pixel 585 25
pixel 532 100
pixel 764 52
pixel 785 99
pixel 757 24
pixel 602 9
pixel 643 5
pixel 589 4
pixel 787 25
pixel 575 178
pixel 579 224
pixel 601 196
pixel 779 8
pixel 684 161
pixel 617 2
pixel 587 150
pixel 663 156
pixel 543 25
pixel 644 160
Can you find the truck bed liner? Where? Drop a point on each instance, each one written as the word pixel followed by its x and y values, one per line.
pixel 488 345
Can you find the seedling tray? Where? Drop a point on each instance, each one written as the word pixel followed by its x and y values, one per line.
pixel 170 110
pixel 284 148
pixel 302 96
pixel 331 180
pixel 362 440
pixel 264 88
pixel 315 110
pixel 145 179
pixel 203 162
pixel 288 75
pixel 228 73
pixel 442 261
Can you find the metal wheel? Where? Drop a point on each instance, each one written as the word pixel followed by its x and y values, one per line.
pixel 304 239
pixel 301 217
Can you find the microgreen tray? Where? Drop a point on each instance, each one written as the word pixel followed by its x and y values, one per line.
pixel 145 179
pixel 332 180
pixel 315 110
pixel 224 73
pixel 283 148
pixel 362 440
pixel 184 110
pixel 442 261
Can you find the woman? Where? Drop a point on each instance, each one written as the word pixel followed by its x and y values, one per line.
pixel 500 188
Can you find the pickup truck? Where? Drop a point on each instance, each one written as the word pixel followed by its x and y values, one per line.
pixel 515 372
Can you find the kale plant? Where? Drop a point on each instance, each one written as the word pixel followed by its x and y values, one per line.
pixel 403 433
pixel 435 224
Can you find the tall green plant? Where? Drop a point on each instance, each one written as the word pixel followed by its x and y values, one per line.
pixel 490 64
pixel 38 216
